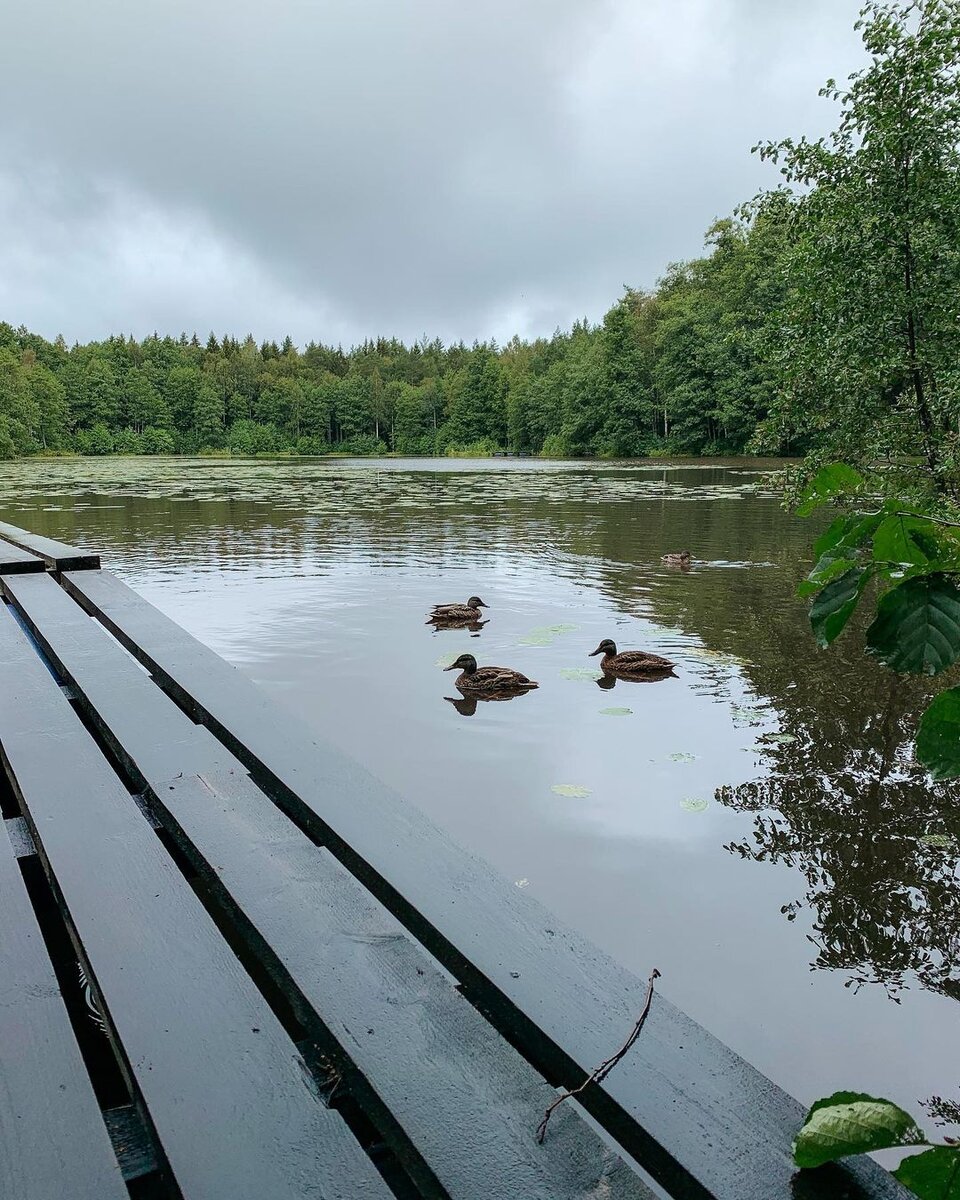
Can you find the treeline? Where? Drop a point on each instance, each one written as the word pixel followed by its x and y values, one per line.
pixel 673 371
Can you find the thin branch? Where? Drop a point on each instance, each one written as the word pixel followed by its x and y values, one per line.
pixel 933 520
pixel 599 1074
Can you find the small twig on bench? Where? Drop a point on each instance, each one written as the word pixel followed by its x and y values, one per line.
pixel 600 1073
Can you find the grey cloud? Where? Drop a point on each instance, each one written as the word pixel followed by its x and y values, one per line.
pixel 348 167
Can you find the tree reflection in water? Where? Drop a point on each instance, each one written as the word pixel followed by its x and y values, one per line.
pixel 876 843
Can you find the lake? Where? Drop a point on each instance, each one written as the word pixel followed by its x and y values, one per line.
pixel 754 827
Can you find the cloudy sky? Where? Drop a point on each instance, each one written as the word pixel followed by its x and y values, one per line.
pixel 339 168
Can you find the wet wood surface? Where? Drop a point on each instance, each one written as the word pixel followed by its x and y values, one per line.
pixel 55 555
pixel 695 1114
pixel 457 1103
pixel 51 1130
pixel 233 1106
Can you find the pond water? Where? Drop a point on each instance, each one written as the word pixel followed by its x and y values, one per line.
pixel 754 827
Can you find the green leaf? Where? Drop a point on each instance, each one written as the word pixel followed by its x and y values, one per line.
pixel 933 1175
pixel 900 539
pixel 852 1123
pixel 829 482
pixel 616 712
pixel 938 737
pixel 827 569
pixel 835 605
pixel 570 789
pixel 917 628
pixel 694 805
pixel 846 533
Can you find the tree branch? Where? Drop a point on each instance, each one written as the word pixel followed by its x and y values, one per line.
pixel 599 1074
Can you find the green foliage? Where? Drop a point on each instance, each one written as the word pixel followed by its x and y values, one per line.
pixel 835 604
pixel 852 1123
pixel 866 350
pixel 933 1175
pixel 917 628
pixel 938 737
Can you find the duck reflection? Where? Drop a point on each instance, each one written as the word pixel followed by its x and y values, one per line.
pixel 471 625
pixel 607 683
pixel 466 706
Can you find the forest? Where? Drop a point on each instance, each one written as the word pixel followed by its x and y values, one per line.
pixel 678 370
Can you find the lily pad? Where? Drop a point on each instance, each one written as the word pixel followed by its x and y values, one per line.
pixel 570 789
pixel 616 712
pixel 579 673
pixel 544 635
pixel 747 714
pixel 693 805
pixel 446 660
pixel 778 739
pixel 522 883
pixel 939 841
pixel 683 757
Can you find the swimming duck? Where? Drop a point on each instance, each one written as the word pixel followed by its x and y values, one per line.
pixel 630 662
pixel 682 558
pixel 474 680
pixel 443 613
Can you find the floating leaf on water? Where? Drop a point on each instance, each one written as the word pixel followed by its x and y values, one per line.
pixel 544 635
pixel 747 714
pixel 446 660
pixel 616 712
pixel 777 739
pixel 579 673
pixel 681 756
pixel 522 883
pixel 693 805
pixel 939 841
pixel 570 789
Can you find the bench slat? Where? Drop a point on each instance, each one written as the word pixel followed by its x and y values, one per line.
pixel 51 1129
pixel 466 1100
pixel 54 554
pixel 695 1114
pixel 14 561
pixel 234 1108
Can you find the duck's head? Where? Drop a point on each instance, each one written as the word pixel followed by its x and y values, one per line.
pixel 466 663
pixel 476 602
pixel 685 555
pixel 605 648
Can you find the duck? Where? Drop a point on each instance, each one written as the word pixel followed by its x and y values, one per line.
pixel 681 558
pixel 445 613
pixel 631 662
pixel 477 681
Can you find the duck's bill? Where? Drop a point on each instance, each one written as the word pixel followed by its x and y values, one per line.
pixel 452 667
pixel 594 653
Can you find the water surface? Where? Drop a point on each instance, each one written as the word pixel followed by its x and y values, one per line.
pixel 754 827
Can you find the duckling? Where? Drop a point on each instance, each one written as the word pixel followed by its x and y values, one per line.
pixel 474 680
pixel 630 662
pixel 682 558
pixel 445 613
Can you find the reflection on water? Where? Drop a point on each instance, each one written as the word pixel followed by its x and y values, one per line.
pixel 754 826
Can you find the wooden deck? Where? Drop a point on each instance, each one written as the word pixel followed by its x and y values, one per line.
pixel 306 990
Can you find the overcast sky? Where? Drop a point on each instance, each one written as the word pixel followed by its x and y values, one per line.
pixel 342 168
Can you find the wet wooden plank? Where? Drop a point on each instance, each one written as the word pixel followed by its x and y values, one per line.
pixel 131 1142
pixel 235 1110
pixel 53 554
pixel 51 1130
pixel 14 561
pixel 463 1098
pixel 695 1114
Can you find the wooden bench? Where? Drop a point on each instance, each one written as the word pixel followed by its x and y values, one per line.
pixel 269 930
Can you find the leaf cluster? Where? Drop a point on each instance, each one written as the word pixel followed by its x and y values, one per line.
pixel 853 1123
pixel 912 557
